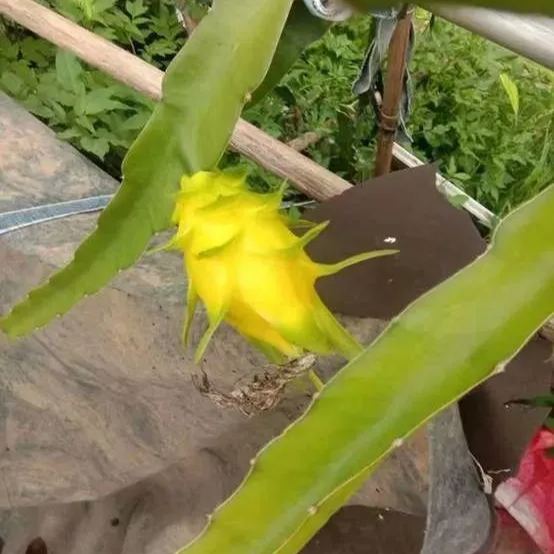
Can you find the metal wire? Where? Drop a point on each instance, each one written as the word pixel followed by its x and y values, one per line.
pixel 19 219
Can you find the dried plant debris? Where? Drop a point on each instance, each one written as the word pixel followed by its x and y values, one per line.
pixel 262 392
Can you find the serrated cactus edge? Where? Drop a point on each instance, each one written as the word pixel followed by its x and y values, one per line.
pixel 449 340
pixel 204 91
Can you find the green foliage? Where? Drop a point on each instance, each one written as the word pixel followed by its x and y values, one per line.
pixel 315 95
pixel 148 28
pixel 188 132
pixel 83 105
pixel 88 7
pixel 301 30
pixel 464 119
pixel 442 345
pixel 462 115
pixel 511 90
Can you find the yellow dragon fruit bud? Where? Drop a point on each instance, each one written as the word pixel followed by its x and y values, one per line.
pixel 251 270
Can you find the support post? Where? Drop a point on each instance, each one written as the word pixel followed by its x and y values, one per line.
pixel 390 108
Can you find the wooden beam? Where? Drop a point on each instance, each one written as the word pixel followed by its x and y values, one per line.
pixel 306 175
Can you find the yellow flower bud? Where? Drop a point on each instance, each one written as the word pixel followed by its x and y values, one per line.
pixel 252 271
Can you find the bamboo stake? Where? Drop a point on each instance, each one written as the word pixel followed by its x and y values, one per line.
pixel 390 108
pixel 305 174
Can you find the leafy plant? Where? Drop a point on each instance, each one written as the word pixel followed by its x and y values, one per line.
pixel 460 119
pixel 148 28
pixel 463 119
pixel 315 95
pixel 301 30
pixel 98 115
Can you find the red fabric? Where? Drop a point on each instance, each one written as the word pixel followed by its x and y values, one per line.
pixel 529 496
pixel 510 537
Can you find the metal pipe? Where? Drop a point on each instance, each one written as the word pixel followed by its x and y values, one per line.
pixel 530 36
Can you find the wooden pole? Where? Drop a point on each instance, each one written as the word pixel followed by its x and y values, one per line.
pixel 390 109
pixel 303 173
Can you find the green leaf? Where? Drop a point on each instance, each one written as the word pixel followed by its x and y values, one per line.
pixel 11 83
pixel 97 146
pixel 59 112
pixel 530 6
pixel 35 51
pixel 86 123
pixel 104 5
pixel 301 30
pixel 136 8
pixel 135 122
pixel 9 49
pixel 24 72
pixel 511 90
pixel 442 345
pixel 34 105
pixel 98 101
pixel 69 134
pixel 204 90
pixel 87 6
pixel 68 70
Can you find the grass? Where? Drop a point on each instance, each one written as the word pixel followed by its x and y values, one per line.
pixel 463 116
